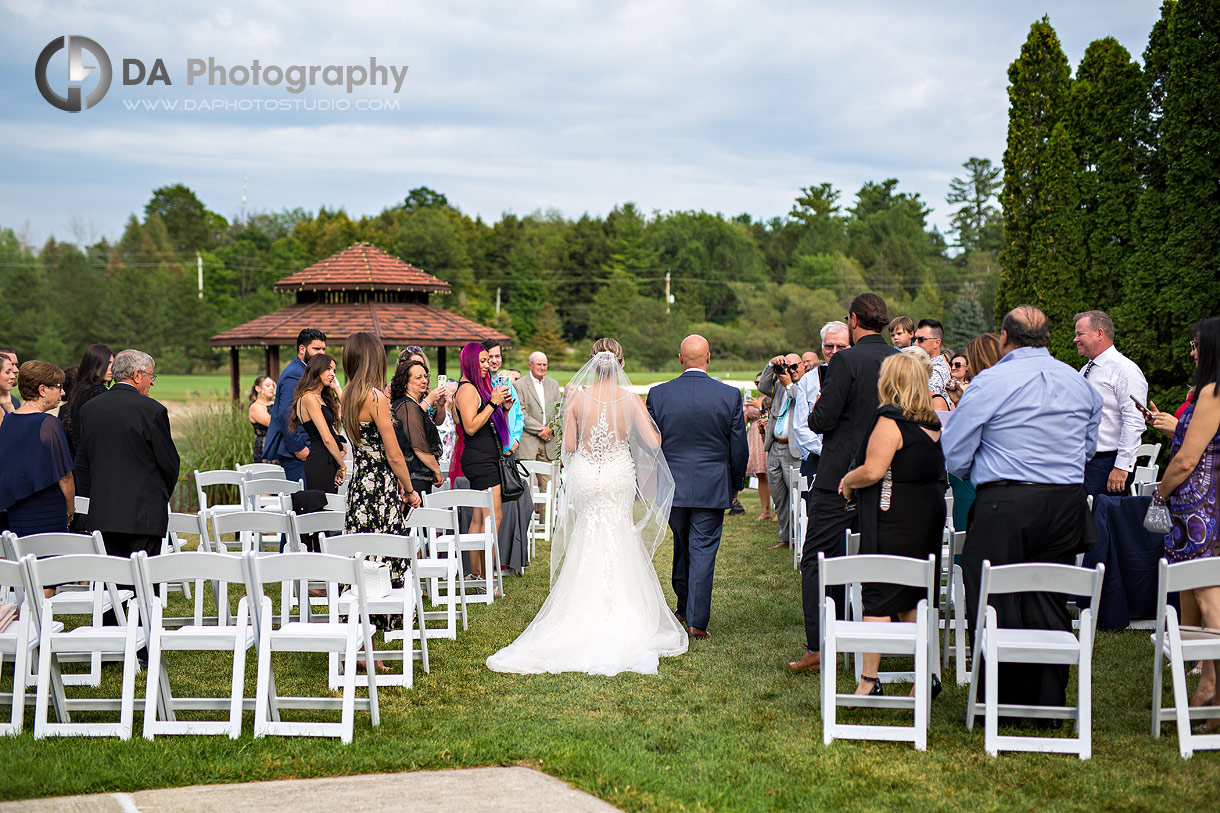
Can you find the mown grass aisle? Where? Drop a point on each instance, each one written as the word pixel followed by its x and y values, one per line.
pixel 723 727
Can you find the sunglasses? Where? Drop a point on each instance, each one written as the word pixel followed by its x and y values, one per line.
pixel 922 339
pixel 959 365
pixel 834 346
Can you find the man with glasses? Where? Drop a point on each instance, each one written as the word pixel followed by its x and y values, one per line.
pixel 928 337
pixel 126 462
pixel 778 380
pixel 290 449
pixel 807 442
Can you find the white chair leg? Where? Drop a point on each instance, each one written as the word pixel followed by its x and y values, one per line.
pixel 1084 693
pixel 127 700
pixel 43 686
pixel 20 657
pixel 152 687
pixel 348 715
pixel 923 676
pixel 991 711
pixel 263 685
pixel 237 691
pixel 829 676
pixel 1181 699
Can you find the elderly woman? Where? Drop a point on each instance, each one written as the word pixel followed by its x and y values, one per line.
pixel 900 490
pixel 436 402
pixel 36 483
pixel 1189 487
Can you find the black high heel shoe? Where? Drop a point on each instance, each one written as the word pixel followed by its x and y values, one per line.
pixel 875 691
pixel 936 687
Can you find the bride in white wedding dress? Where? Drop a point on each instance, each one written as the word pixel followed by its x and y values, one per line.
pixel 606 613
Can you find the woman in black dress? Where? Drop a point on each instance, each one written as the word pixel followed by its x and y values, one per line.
pixel 92 378
pixel 417 434
pixel 262 398
pixel 900 489
pixel 484 432
pixel 316 408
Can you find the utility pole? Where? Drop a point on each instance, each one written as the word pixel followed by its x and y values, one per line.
pixel 668 298
pixel 199 265
pixel 497 301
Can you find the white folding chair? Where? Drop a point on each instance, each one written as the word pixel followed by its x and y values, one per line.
pixel 303 525
pixel 1181 645
pixel 94 597
pixel 1146 489
pixel 541 527
pixel 954 604
pixel 173 543
pixel 250 527
pixel 84 640
pixel 485 540
pixel 160 705
pixel 440 563
pixel 347 636
pixel 1142 476
pixel 18 642
pixel 337 502
pixel 406 602
pixel 994 644
pixel 800 517
pixel 218 477
pixel 268 493
pixel 889 638
pixel 262 469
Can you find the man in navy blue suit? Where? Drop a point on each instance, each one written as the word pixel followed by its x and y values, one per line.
pixel 703 436
pixel 290 449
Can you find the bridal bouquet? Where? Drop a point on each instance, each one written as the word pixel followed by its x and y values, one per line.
pixel 556 421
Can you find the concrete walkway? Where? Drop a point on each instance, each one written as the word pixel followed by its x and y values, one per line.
pixel 504 790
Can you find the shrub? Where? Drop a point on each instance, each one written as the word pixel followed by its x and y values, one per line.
pixel 215 436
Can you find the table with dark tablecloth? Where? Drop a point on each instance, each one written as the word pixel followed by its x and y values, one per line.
pixel 1131 556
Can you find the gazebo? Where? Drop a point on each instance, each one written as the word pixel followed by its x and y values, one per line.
pixel 360 288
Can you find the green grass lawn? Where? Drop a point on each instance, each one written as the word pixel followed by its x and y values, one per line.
pixel 215 386
pixel 725 726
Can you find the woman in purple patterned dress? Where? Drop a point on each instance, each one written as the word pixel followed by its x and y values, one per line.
pixel 1189 489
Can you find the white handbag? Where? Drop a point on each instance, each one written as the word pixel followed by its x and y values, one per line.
pixel 376 579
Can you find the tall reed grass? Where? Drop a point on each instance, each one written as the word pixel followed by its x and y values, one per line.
pixel 215 436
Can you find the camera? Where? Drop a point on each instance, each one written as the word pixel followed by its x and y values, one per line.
pixel 779 369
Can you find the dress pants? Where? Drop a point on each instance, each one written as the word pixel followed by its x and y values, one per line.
pixel 809 470
pixel 123 544
pixel 294 469
pixel 696 540
pixel 1014 523
pixel 828 523
pixel 1097 473
pixel 781 473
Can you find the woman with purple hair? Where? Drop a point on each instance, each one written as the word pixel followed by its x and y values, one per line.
pixel 484 432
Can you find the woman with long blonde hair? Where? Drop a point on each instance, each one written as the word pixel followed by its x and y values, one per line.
pixel 900 491
pixel 380 495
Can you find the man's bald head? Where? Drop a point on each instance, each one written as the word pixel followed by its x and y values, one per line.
pixel 1025 326
pixel 695 352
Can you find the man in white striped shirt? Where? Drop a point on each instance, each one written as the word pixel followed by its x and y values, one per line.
pixel 1117 380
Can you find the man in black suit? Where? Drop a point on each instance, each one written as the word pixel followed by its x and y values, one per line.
pixel 703 436
pixel 842 415
pixel 126 462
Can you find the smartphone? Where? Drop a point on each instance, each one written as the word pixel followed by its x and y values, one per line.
pixel 1143 409
pixel 442 380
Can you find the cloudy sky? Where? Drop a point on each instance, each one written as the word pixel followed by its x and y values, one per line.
pixel 722 105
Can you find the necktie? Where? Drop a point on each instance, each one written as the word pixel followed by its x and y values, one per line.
pixel 1088 368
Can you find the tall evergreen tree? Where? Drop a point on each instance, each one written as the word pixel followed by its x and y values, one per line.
pixel 1040 78
pixel 1107 118
pixel 977 222
pixel 1056 248
pixel 965 319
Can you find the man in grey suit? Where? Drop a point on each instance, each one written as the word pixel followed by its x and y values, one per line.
pixel 539 394
pixel 778 380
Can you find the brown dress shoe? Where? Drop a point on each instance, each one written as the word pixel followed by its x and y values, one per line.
pixel 680 617
pixel 778 546
pixel 695 632
pixel 809 662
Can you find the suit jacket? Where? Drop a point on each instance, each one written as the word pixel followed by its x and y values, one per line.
pixel 281 443
pixel 703 436
pixel 536 417
pixel 781 398
pixel 845 409
pixel 126 462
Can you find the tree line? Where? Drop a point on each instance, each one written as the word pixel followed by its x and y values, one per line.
pixel 1111 190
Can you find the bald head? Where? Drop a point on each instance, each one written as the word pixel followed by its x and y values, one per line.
pixel 695 352
pixel 1024 326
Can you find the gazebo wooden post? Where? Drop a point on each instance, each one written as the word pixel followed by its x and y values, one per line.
pixel 273 361
pixel 440 360
pixel 234 375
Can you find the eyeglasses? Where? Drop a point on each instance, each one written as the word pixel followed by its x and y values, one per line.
pixel 834 346
pixel 151 376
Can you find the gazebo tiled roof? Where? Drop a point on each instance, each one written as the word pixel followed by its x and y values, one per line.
pixel 397 323
pixel 362 267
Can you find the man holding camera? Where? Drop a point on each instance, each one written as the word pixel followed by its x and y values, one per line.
pixel 778 380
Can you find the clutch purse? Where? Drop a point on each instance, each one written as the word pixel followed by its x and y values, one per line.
pixel 1157 519
pixel 376 579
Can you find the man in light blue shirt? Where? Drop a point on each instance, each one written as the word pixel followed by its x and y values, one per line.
pixel 807 442
pixel 1022 433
